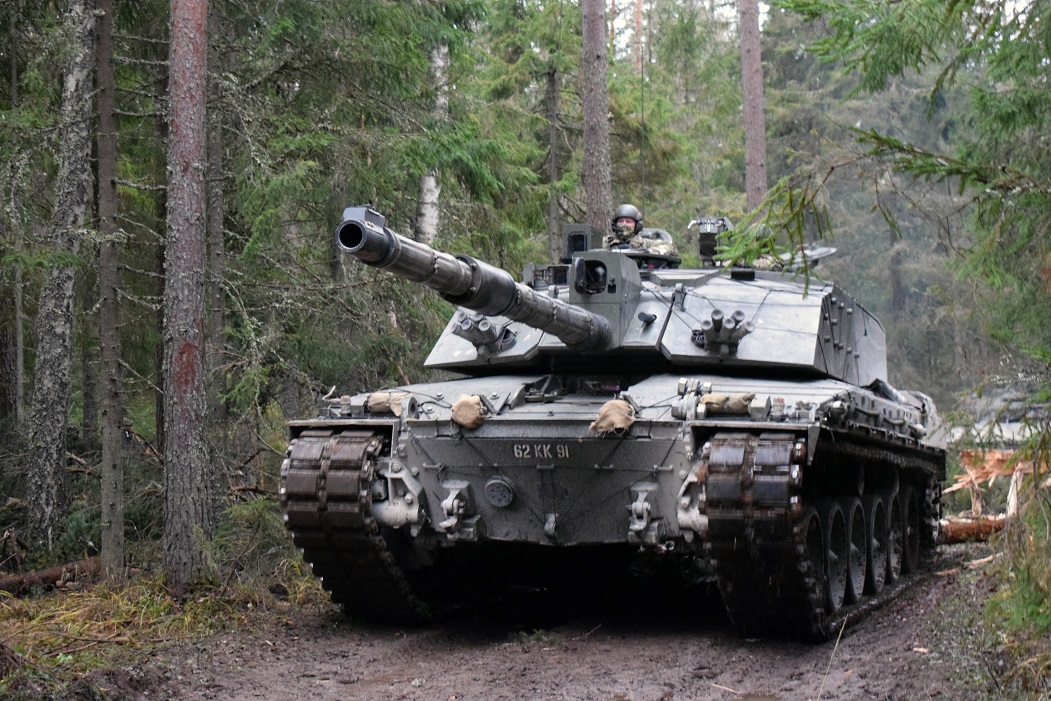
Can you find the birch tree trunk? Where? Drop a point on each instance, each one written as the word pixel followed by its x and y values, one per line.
pixel 639 33
pixel 48 420
pixel 754 104
pixel 595 98
pixel 112 471
pixel 427 210
pixel 188 508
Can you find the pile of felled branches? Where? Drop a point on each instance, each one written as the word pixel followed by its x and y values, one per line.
pixel 983 468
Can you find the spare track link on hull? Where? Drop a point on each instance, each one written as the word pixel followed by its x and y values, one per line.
pixel 328 508
pixel 758 535
pixel 754 510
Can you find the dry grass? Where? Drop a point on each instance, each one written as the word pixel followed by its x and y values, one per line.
pixel 50 640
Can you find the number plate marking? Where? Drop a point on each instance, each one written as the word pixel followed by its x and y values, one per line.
pixel 541 451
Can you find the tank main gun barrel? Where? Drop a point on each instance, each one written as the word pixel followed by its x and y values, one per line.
pixel 467 281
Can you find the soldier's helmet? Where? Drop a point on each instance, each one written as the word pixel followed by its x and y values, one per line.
pixel 630 211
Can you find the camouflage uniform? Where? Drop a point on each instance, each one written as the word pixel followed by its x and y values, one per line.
pixel 633 235
pixel 624 236
pixel 656 246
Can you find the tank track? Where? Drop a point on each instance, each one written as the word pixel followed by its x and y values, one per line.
pixel 760 534
pixel 328 508
pixel 759 529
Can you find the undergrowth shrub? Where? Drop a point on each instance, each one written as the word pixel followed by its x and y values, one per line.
pixel 252 534
pixel 1027 602
pixel 253 553
pixel 81 535
pixel 1020 612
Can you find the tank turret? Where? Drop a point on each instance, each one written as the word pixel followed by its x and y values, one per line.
pixel 602 303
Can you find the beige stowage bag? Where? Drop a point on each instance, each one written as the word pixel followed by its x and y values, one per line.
pixel 387 402
pixel 468 411
pixel 615 416
pixel 727 403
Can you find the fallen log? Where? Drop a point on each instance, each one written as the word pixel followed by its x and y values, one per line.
pixel 21 584
pixel 970 529
pixel 253 488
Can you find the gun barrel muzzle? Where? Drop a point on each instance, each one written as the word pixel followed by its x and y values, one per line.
pixel 467 281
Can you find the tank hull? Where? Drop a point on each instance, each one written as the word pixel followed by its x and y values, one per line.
pixel 380 498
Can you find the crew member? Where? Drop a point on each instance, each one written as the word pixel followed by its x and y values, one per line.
pixel 627 232
pixel 626 224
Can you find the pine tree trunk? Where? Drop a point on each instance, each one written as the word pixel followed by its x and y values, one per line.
pixel 595 97
pixel 188 506
pixel 216 233
pixel 216 339
pixel 86 345
pixel 554 238
pixel 112 470
pixel 18 289
pixel 7 379
pixel 51 388
pixel 427 210
pixel 754 104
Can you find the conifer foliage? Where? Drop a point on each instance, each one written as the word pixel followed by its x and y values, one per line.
pixel 997 53
pixel 984 179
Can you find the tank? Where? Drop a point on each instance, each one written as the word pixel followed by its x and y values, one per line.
pixel 611 413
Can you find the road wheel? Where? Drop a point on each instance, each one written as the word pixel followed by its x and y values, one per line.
pixel 810 536
pixel 911 518
pixel 837 550
pixel 876 552
pixel 857 537
pixel 895 535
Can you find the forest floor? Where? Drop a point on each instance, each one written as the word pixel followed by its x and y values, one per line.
pixel 926 644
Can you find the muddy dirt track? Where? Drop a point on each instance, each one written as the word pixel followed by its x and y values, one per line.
pixel 920 646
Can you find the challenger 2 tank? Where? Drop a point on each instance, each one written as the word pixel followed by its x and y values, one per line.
pixel 612 410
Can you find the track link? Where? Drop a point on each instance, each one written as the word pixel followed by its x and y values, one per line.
pixel 761 533
pixel 328 508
